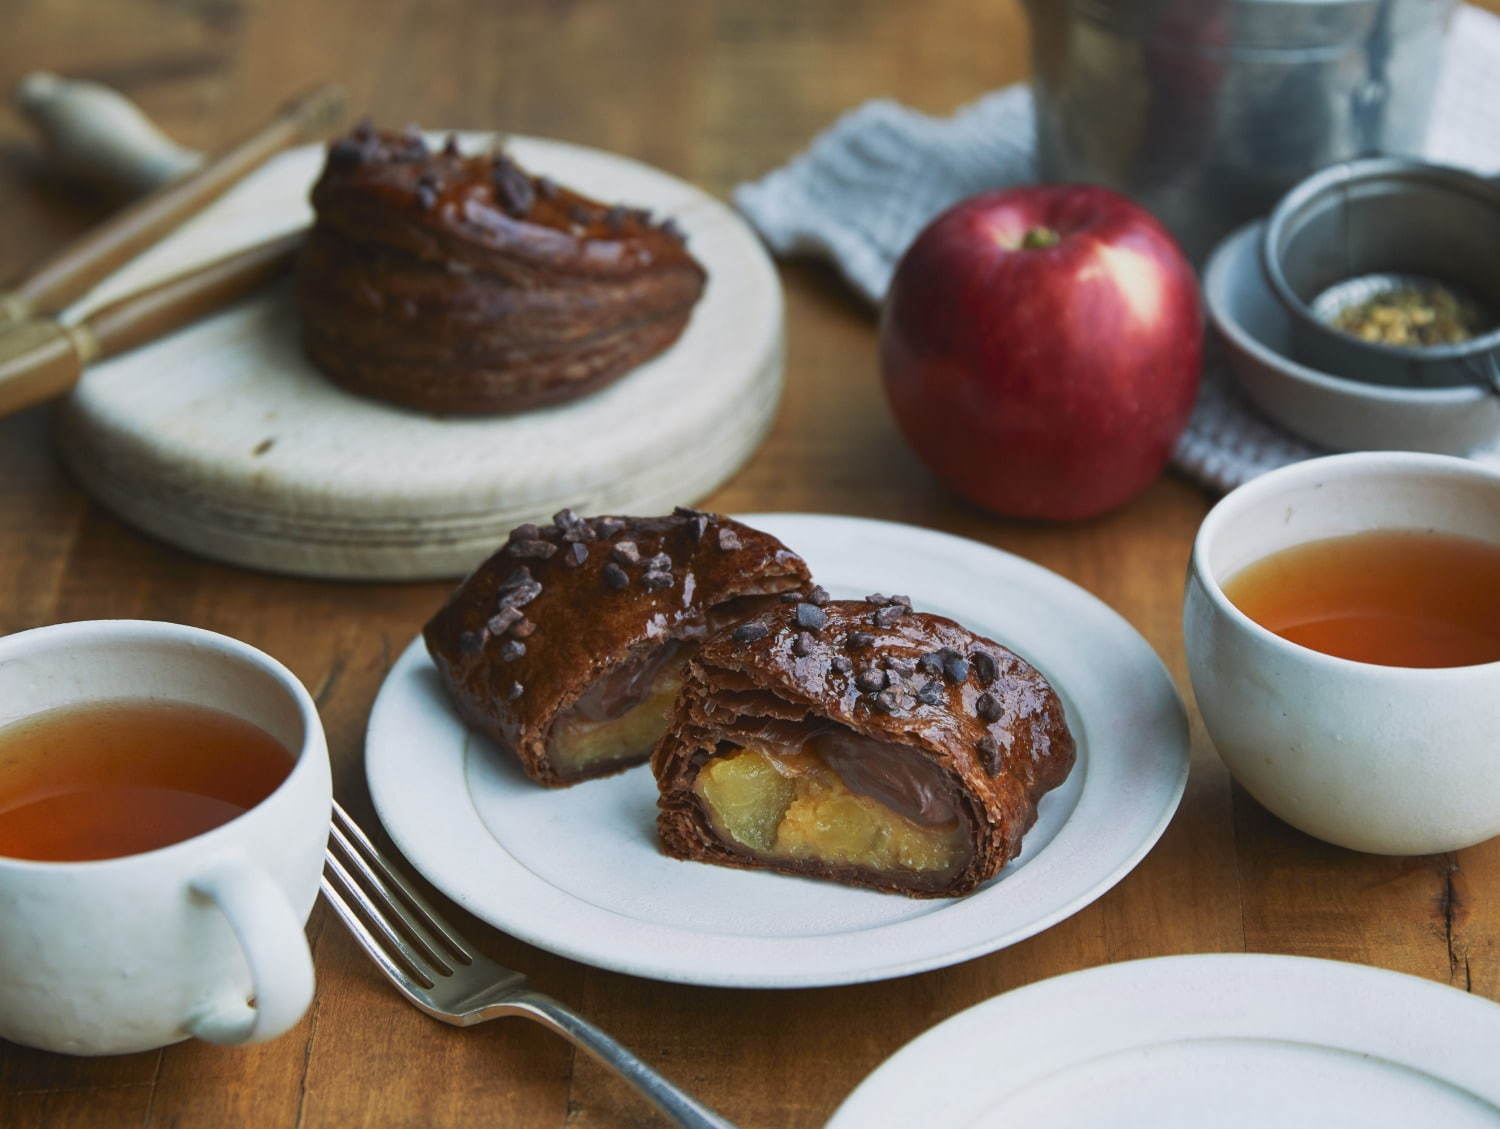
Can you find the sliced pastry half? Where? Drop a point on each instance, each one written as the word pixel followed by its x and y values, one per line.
pixel 860 742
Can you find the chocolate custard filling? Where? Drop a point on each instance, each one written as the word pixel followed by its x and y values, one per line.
pixel 818 793
pixel 621 715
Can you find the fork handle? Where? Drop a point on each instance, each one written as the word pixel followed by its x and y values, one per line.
pixel 675 1103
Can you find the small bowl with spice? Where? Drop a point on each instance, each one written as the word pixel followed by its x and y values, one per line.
pixel 1342 626
pixel 1387 270
pixel 1335 412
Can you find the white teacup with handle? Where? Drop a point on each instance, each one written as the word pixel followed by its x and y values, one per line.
pixel 203 937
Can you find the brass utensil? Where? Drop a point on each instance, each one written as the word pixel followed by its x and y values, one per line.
pixel 44 357
pixel 73 270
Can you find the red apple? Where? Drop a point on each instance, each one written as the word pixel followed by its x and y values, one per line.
pixel 1041 349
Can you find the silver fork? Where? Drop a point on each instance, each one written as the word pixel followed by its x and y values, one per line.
pixel 436 969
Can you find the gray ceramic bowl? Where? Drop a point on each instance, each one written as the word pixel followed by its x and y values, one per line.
pixel 1334 412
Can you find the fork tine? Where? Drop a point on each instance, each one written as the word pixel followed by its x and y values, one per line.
pixel 417 913
pixel 383 910
pixel 401 977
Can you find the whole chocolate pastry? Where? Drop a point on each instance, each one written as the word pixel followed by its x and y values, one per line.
pixel 860 742
pixel 566 646
pixel 457 283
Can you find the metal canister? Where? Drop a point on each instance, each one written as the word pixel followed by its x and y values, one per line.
pixel 1207 111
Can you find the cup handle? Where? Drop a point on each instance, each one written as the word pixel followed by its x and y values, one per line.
pixel 275 949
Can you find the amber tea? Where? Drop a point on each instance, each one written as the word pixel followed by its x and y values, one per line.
pixel 115 778
pixel 1392 597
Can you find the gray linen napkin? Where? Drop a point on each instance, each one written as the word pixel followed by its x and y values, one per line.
pixel 865 187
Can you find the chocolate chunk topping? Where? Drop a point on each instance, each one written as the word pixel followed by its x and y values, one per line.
pixel 930 693
pixel 346 152
pixel 659 563
pixel 575 554
pixel 531 550
pixel 875 598
pixel 427 192
pixel 901 665
pixel 450 145
pixel 470 642
pixel 579 214
pixel 904 601
pixel 842 663
pixel 546 188
pixel 503 620
pixel 511 650
pixel 989 754
pixel 616 577
pixel 892 701
pixel 523 628
pixel 986 669
pixel 670 229
pixel 364 129
pixel 856 639
pixel 687 511
pixel 871 678
pixel 988 707
pixel 932 662
pixel 615 218
pixel 888 615
pixel 790 597
pixel 810 617
pixel 750 632
pixel 608 526
pixel 656 580
pixel 955 668
pixel 513 692
pixel 512 187
pixel 817 596
pixel 519 589
pixel 802 645
pixel 728 539
pixel 625 553
pixel 697 526
pixel 526 532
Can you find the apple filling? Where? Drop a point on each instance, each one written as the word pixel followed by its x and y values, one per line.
pixel 621 716
pixel 805 804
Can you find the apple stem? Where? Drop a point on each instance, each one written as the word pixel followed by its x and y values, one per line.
pixel 1038 237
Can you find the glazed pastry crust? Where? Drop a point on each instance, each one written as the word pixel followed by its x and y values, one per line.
pixel 559 605
pixel 463 284
pixel 984 716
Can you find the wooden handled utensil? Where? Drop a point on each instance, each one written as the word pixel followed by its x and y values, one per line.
pixel 71 272
pixel 43 357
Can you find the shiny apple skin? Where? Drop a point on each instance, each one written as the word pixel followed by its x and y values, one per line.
pixel 1047 382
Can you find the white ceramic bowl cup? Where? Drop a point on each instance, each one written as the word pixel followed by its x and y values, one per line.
pixel 1392 760
pixel 130 953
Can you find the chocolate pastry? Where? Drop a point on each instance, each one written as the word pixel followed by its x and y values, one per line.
pixel 453 283
pixel 566 646
pixel 860 742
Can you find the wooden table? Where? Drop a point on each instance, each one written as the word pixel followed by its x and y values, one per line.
pixel 716 91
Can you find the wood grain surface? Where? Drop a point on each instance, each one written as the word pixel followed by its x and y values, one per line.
pixel 714 91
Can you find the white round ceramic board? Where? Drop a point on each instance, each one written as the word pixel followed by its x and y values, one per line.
pixel 578 871
pixel 224 439
pixel 1232 1041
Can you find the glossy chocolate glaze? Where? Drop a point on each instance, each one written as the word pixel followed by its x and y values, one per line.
pixel 457 283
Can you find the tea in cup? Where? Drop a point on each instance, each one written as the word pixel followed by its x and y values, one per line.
pixel 1342 623
pixel 164 808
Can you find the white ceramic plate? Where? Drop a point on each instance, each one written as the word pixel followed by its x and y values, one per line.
pixel 1231 1041
pixel 579 872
